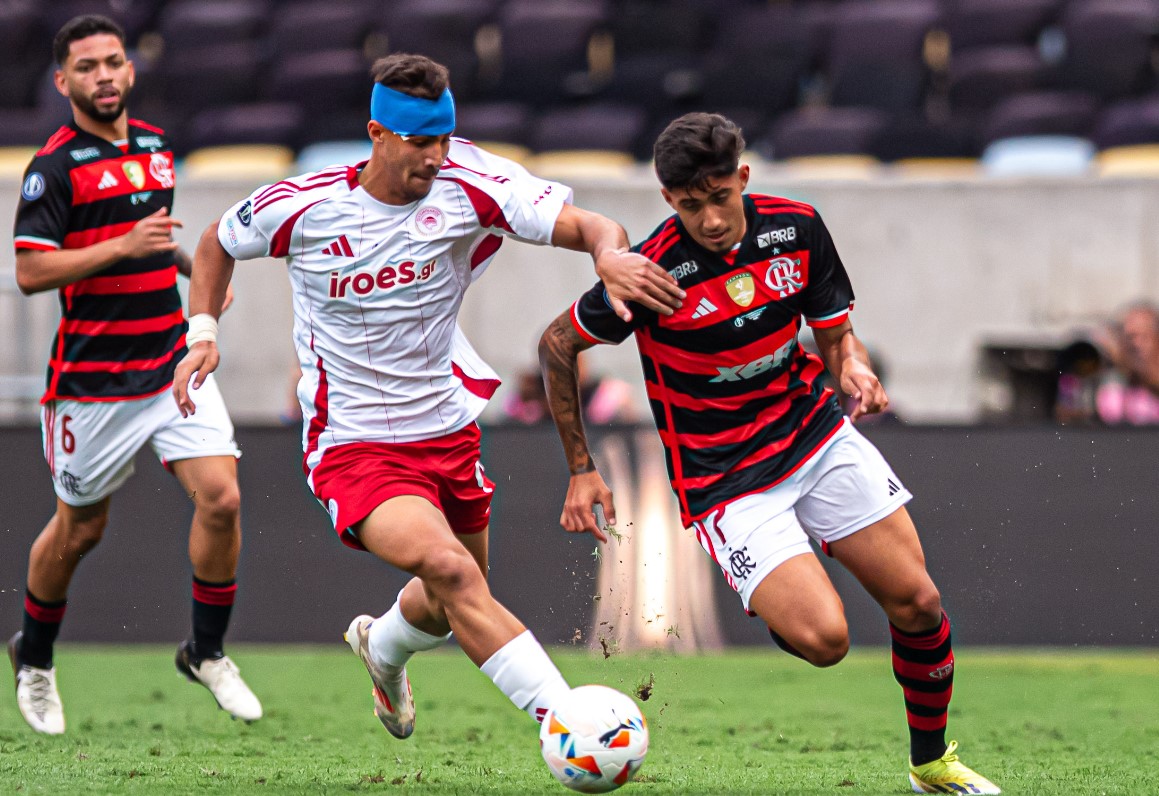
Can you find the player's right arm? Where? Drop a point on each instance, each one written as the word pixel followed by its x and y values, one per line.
pixel 590 321
pixel 208 284
pixel 559 349
pixel 39 270
pixel 242 233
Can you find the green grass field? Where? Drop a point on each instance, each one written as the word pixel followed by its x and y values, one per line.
pixel 1036 722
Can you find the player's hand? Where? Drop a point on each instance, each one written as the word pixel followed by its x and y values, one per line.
pixel 583 492
pixel 228 297
pixel 633 277
pixel 201 360
pixel 862 385
pixel 151 235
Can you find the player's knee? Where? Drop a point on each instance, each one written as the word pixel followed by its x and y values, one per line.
pixel 922 611
pixel 827 645
pixel 78 536
pixel 220 503
pixel 450 575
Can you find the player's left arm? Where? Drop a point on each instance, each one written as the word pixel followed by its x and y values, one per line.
pixel 184 264
pixel 846 358
pixel 626 275
pixel 559 349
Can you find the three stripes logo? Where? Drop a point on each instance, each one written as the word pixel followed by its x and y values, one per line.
pixel 107 181
pixel 339 248
pixel 705 307
pixel 893 487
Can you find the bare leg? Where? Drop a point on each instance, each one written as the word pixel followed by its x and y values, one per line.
pixel 798 601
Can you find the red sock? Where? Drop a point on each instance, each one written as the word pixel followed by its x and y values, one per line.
pixel 923 664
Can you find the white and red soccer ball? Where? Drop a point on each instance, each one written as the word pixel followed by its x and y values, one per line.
pixel 594 740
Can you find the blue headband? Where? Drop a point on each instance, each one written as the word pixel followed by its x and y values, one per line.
pixel 406 116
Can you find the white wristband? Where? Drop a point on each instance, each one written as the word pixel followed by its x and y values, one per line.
pixel 202 328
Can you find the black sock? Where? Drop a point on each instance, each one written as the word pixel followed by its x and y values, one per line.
pixel 923 663
pixel 212 603
pixel 41 624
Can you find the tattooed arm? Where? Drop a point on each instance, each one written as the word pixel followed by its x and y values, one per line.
pixel 559 350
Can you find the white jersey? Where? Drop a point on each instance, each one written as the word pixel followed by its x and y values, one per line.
pixel 377 290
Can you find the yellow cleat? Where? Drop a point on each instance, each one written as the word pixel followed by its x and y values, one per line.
pixel 948 775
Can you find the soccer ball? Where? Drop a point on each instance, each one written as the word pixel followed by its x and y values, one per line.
pixel 594 740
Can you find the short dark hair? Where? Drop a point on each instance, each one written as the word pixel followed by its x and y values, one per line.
pixel 82 27
pixel 412 74
pixel 696 148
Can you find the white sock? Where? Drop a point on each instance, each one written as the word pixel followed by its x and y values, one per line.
pixel 393 640
pixel 522 671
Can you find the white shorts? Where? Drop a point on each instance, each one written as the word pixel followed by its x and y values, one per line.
pixel 90 445
pixel 844 487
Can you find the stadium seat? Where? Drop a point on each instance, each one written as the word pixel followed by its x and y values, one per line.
pixel 321 81
pixel 199 23
pixel 914 136
pixel 25 127
pixel 316 157
pixel 875 55
pixel 823 131
pixel 1042 113
pixel 1141 160
pixel 595 126
pixel 582 163
pixel 983 23
pixel 307 25
pixel 544 49
pixel 445 30
pixel 494 121
pixel 243 162
pixel 227 73
pixel 760 56
pixel 1128 122
pixel 1109 46
pixel 254 123
pixel 134 16
pixel 832 167
pixel 14 160
pixel 24 53
pixel 980 78
pixel 1038 156
pixel 937 169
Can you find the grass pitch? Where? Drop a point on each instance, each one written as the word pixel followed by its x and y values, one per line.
pixel 753 721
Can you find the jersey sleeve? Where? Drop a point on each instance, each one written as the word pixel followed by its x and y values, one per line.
pixel 829 296
pixel 507 198
pixel 595 320
pixel 42 213
pixel 244 233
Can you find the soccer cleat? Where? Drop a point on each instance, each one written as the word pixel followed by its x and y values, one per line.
pixel 948 775
pixel 393 703
pixel 36 693
pixel 222 678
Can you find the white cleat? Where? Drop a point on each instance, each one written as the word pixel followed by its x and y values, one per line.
pixel 222 678
pixel 393 703
pixel 36 693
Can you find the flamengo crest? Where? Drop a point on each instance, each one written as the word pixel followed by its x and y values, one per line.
pixel 784 276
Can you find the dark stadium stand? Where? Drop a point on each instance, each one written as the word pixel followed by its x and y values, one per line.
pixel 890 79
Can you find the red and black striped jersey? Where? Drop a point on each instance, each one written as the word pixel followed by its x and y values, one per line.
pixel 122 330
pixel 738 403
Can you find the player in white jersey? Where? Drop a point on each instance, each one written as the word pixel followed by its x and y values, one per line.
pixel 380 255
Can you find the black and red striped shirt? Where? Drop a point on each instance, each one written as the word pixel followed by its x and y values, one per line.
pixel 122 330
pixel 738 403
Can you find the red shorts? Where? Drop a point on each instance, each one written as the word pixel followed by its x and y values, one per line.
pixel 353 480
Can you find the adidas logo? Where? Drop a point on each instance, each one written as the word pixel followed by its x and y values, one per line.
pixel 339 248
pixel 107 181
pixel 705 307
pixel 749 316
pixel 893 488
